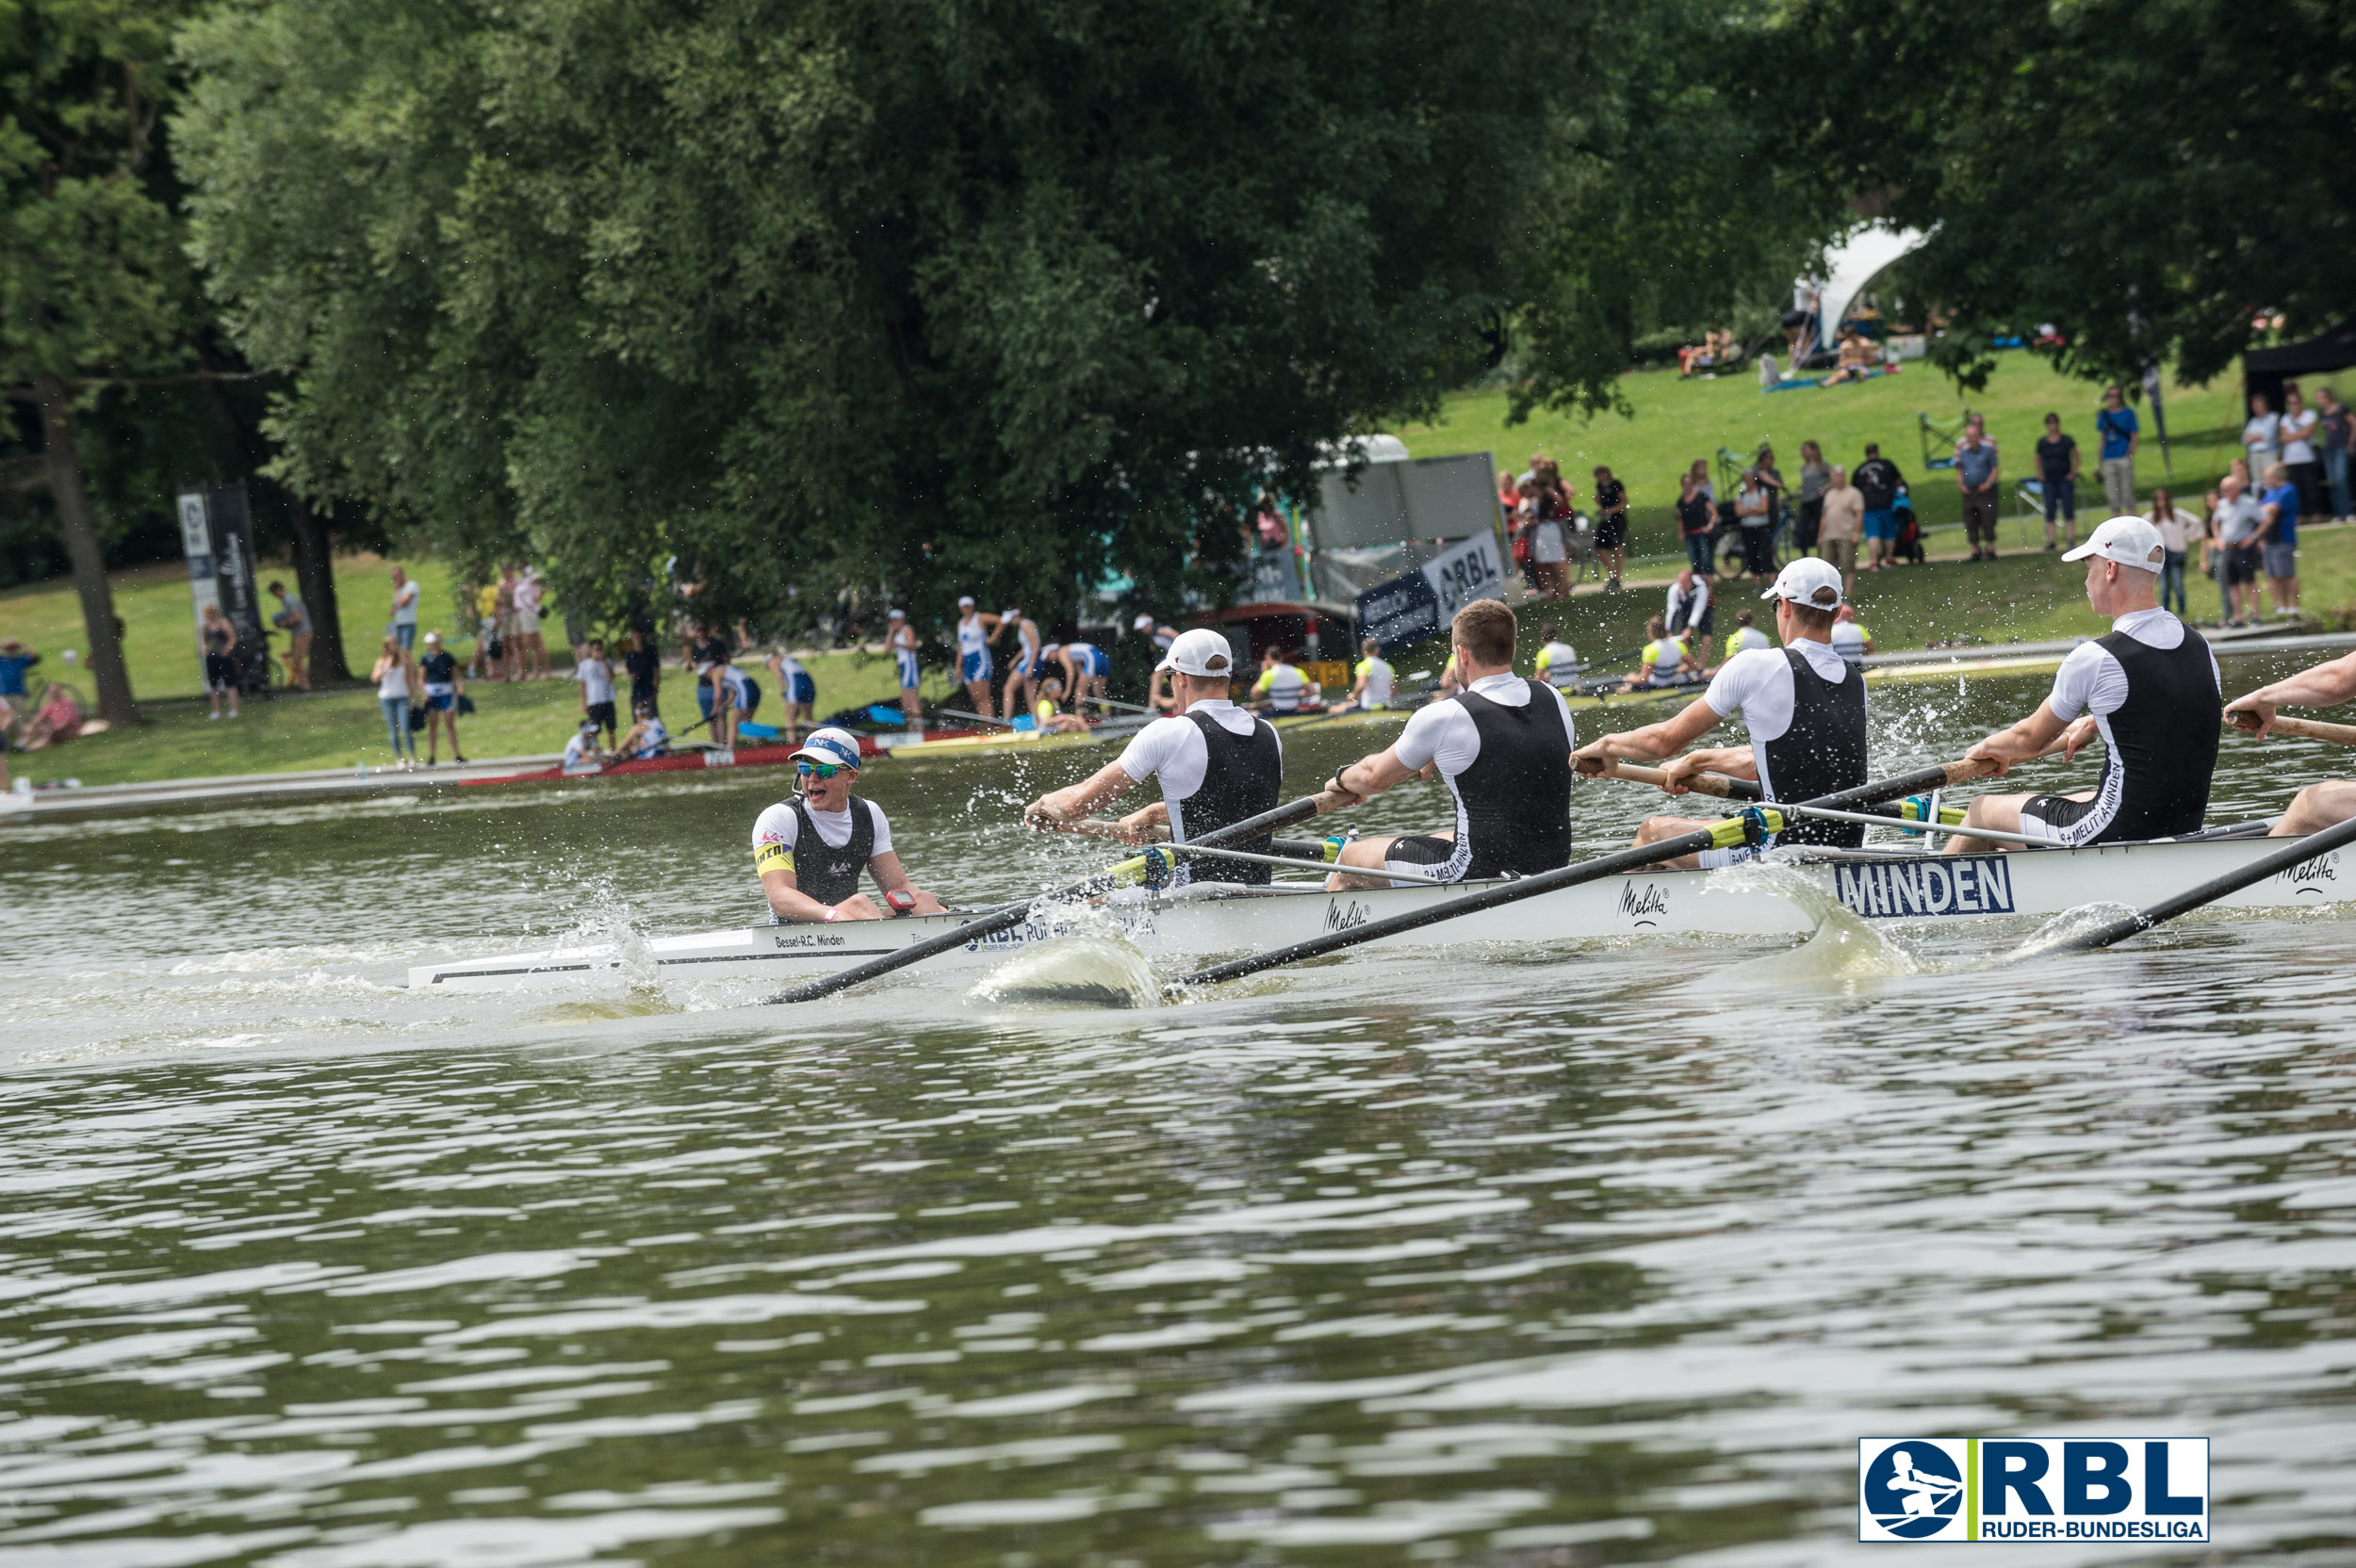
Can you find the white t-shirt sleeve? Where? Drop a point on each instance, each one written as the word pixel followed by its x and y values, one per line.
pixel 1159 747
pixel 1423 735
pixel 777 827
pixel 2089 681
pixel 1741 681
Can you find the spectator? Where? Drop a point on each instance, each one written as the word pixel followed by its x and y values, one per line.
pixel 596 689
pixel 1815 479
pixel 1856 359
pixel 1549 543
pixel 1799 326
pixel 439 689
pixel 2298 451
pixel 1752 515
pixel 1770 481
pixel 1611 525
pixel 1509 502
pixel 1696 517
pixel 2337 433
pixel 295 621
pixel 395 674
pixel 2175 526
pixel 511 651
pixel 220 635
pixel 1268 526
pixel 1879 480
pixel 15 661
pixel 2260 439
pixel 1843 527
pixel 2057 459
pixel 404 610
pixel 644 662
pixel 1978 468
pixel 2235 518
pixel 531 653
pixel 1700 472
pixel 483 600
pixel 2278 534
pixel 2120 434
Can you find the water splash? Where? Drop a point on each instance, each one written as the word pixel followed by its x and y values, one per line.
pixel 1098 970
pixel 2065 928
pixel 1843 949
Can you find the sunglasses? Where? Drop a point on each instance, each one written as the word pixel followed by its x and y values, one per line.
pixel 820 770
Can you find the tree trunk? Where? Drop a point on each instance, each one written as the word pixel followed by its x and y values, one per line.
pixel 80 528
pixel 314 548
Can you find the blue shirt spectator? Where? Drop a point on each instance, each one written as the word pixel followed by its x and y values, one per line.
pixel 14 660
pixel 2284 498
pixel 1975 461
pixel 2117 425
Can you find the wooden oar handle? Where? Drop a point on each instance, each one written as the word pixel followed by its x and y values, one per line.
pixel 1700 783
pixel 2305 730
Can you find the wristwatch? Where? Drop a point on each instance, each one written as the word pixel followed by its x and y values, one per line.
pixel 1340 788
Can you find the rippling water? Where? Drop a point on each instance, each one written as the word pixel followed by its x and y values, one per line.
pixel 1575 1254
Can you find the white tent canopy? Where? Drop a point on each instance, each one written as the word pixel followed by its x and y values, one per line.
pixel 1851 265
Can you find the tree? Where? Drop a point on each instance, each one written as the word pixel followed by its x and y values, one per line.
pixel 797 293
pixel 2149 176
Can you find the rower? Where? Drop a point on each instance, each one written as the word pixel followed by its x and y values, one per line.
pixel 1218 764
pixel 2151 687
pixel 1023 674
pixel 798 693
pixel 645 737
pixel 1803 707
pixel 1665 660
pixel 1282 688
pixel 1372 681
pixel 973 662
pixel 1045 715
pixel 1850 639
pixel 901 640
pixel 809 851
pixel 2318 805
pixel 1690 612
pixel 1747 635
pixel 1558 662
pixel 580 753
pixel 1086 667
pixel 1503 747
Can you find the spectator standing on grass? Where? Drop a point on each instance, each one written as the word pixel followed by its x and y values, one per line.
pixel 1841 527
pixel 1879 480
pixel 439 689
pixel 2121 433
pixel 2234 520
pixel 2299 456
pixel 597 690
pixel 511 650
pixel 2336 433
pixel 1549 543
pixel 1815 479
pixel 2177 528
pixel 1751 514
pixel 1696 517
pixel 2261 437
pixel 295 621
pixel 395 674
pixel 1978 468
pixel 1610 526
pixel 404 610
pixel 2057 460
pixel 533 653
pixel 1770 481
pixel 219 636
pixel 2278 537
pixel 642 661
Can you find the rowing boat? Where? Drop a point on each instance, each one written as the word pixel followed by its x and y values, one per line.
pixel 1786 898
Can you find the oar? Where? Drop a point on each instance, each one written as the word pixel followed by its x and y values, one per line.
pixel 1718 835
pixel 1007 916
pixel 1291 850
pixel 2305 730
pixel 2298 852
pixel 1715 784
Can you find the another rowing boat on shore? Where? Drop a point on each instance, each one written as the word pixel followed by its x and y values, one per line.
pixel 1783 898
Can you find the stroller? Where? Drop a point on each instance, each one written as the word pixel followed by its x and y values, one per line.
pixel 1908 545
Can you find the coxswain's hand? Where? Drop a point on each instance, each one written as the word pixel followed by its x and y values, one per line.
pixel 2252 714
pixel 2080 731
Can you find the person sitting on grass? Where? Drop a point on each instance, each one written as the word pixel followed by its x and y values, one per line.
pixel 1856 359
pixel 580 753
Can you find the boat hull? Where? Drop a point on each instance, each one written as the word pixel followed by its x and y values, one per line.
pixel 1204 922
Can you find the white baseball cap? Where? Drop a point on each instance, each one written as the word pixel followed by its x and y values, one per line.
pixel 1805 582
pixel 433 636
pixel 1200 652
pixel 830 745
pixel 1143 623
pixel 898 616
pixel 2129 541
pixel 965 601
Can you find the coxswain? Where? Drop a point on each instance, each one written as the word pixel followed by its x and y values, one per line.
pixel 810 850
pixel 2151 688
pixel 901 640
pixel 1803 707
pixel 1503 747
pixel 1023 672
pixel 1690 614
pixel 1850 639
pixel 1664 662
pixel 1282 688
pixel 2318 805
pixel 974 667
pixel 1218 764
pixel 1558 662
pixel 1373 682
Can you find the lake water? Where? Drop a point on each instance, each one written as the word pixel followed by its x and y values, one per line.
pixel 1548 1255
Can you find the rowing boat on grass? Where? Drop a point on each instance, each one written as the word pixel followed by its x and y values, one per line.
pixel 1789 899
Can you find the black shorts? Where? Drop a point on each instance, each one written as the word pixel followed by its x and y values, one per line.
pixel 1758 550
pixel 2241 563
pixel 1611 532
pixel 220 672
pixel 1703 623
pixel 603 714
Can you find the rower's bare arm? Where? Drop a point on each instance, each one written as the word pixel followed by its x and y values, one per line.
pixel 2077 736
pixel 1371 776
pixel 2024 741
pixel 1650 743
pixel 892 878
pixel 2327 685
pixel 1140 825
pixel 1728 761
pixel 1070 804
pixel 788 901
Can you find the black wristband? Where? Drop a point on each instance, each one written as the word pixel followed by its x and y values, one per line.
pixel 1339 788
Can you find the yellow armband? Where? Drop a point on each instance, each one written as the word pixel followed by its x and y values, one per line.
pixel 769 857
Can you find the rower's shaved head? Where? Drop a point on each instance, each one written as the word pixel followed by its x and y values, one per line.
pixel 1484 628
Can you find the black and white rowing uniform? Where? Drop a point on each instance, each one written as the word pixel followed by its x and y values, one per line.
pixel 1689 609
pixel 2153 687
pixel 824 850
pixel 1218 764
pixel 1804 709
pixel 1503 748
